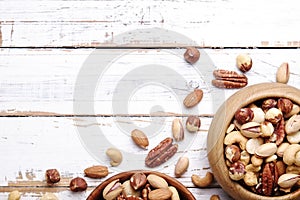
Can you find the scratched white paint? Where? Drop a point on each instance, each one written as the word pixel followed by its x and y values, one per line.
pixel 94 23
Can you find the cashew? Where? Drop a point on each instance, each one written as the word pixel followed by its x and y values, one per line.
pixel 252 168
pixel 204 181
pixel 230 128
pixel 271 158
pixel 245 157
pixel 281 149
pixel 293 169
pixel 256 161
pixel 294 138
pixel 115 156
pixel 289 156
pixel 236 137
pixel 250 179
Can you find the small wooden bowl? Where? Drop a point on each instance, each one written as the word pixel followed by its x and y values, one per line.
pixel 222 120
pixel 182 190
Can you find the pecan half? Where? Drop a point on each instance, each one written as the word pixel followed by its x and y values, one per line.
pixel 229 79
pixel 269 179
pixel 279 133
pixel 161 153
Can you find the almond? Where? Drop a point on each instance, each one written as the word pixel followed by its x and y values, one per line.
pixel 177 130
pixel 140 138
pixel 97 171
pixel 283 73
pixel 193 98
pixel 161 194
pixel 181 166
pixel 157 181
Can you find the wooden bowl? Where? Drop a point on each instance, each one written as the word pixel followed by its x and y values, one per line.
pixel 222 120
pixel 182 190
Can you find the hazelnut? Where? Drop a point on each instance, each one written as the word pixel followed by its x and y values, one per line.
pixel 285 105
pixel 52 176
pixel 244 62
pixel 237 171
pixel 191 55
pixel 49 196
pixel 14 195
pixel 78 184
pixel 232 153
pixel 193 123
pixel 268 104
pixel 214 197
pixel 244 115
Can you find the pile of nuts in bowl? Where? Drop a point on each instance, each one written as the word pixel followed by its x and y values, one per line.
pixel 140 186
pixel 262 147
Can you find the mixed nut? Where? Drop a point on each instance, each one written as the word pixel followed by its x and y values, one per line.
pixel 262 147
pixel 140 187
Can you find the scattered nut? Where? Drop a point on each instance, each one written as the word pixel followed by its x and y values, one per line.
pixel 14 195
pixel 181 166
pixel 49 196
pixel 252 144
pixel 52 176
pixel 251 130
pixel 288 180
pixel 204 181
pixel 138 180
pixel 115 156
pixel 259 115
pixel 285 105
pixel 236 137
pixel 268 104
pixel 97 171
pixel 256 161
pixel 128 190
pixel 175 195
pixel 266 150
pixel 267 129
pixel 232 153
pixel 177 130
pixel 161 194
pixel 244 62
pixel 281 149
pixel 293 124
pixel 289 156
pixel 229 79
pixel 283 73
pixel 193 98
pixel 193 123
pixel 112 190
pixel 191 55
pixel 140 138
pixel 157 181
pixel 214 197
pixel 294 138
pixel 244 115
pixel 250 179
pixel 78 184
pixel 273 115
pixel 237 171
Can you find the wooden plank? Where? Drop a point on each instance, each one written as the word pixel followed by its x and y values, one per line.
pixel 41 82
pixel 98 23
pixel 34 144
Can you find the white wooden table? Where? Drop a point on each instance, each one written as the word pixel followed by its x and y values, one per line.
pixel 45 44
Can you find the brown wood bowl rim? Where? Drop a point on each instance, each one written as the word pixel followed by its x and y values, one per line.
pixel 245 96
pixel 96 194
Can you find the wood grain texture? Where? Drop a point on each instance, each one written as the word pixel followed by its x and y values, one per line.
pixel 96 23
